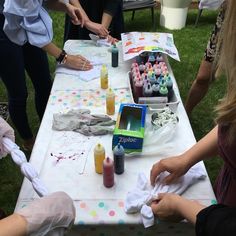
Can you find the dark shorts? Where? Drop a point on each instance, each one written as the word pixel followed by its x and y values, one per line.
pixel 210 52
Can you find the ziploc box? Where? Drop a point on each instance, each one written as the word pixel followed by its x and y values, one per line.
pixel 129 129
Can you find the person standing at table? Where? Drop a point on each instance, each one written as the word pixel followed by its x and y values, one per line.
pixel 206 70
pixel 218 219
pixel 106 15
pixel 26 29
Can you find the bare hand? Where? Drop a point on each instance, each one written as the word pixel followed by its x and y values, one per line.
pixel 76 14
pixel 112 40
pixel 165 208
pixel 176 166
pixel 96 28
pixel 78 62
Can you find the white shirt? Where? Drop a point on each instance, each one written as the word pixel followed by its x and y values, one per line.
pixel 27 21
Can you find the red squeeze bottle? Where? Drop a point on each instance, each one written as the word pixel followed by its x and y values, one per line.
pixel 108 172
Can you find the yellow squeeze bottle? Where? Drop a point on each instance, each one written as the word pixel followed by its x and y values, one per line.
pixel 99 156
pixel 104 77
pixel 110 102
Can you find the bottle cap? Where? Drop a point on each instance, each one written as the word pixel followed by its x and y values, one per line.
pixel 110 92
pixel 119 150
pixel 163 90
pixel 99 148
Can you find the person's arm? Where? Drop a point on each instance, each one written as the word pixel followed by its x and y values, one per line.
pixel 72 8
pixel 214 220
pixel 173 207
pixel 106 20
pixel 179 165
pixel 77 62
pixel 77 4
pixel 109 11
pixel 41 216
pixel 96 28
pixel 14 225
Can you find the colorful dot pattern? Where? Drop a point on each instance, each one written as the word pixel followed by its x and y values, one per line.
pixel 87 98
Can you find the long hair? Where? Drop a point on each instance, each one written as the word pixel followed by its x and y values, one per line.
pixel 226 109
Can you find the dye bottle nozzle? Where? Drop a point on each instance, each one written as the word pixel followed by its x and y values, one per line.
pixel 155 89
pixel 119 158
pixel 148 90
pixel 163 91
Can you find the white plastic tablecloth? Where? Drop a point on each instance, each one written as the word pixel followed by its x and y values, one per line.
pixel 64 160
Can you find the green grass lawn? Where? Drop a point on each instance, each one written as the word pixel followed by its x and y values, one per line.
pixel 190 42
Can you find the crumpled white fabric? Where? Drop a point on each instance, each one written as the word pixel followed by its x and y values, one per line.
pixel 210 4
pixel 82 121
pixel 27 169
pixel 139 199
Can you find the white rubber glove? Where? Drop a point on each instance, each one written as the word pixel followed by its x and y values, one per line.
pixel 48 213
pixel 5 131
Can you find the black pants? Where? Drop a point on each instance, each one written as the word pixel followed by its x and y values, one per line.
pixel 14 60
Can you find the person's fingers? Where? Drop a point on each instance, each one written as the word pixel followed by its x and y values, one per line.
pixel 75 22
pixel 74 18
pixel 155 171
pixel 80 17
pixel 86 66
pixel 170 178
pixel 160 196
pixel 83 58
pixel 154 206
pixel 103 33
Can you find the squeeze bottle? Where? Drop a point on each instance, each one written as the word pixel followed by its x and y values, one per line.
pixel 119 158
pixel 104 77
pixel 108 172
pixel 110 102
pixel 114 56
pixel 99 156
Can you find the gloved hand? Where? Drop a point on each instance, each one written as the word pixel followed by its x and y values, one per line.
pixel 5 131
pixel 45 214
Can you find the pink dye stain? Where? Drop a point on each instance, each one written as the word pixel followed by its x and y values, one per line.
pixel 112 213
pixel 82 205
pixel 59 157
pixel 121 204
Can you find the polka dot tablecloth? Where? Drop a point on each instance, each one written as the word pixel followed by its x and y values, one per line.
pixel 86 98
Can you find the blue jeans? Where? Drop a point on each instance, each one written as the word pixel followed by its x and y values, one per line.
pixel 14 60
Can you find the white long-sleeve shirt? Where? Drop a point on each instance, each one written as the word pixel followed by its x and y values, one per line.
pixel 27 21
